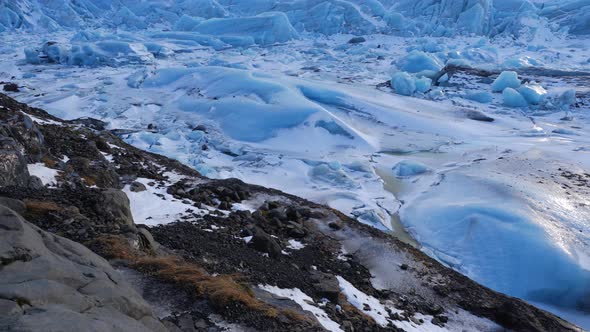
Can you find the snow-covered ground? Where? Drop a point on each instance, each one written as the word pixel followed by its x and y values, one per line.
pixel 285 101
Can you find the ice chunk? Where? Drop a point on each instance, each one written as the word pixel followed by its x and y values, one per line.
pixel 513 99
pixel 407 168
pixel 423 84
pixel 403 84
pixel 507 79
pixel 561 99
pixel 418 61
pixel 480 97
pixel 533 93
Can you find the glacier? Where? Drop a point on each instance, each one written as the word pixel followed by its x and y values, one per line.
pixel 453 123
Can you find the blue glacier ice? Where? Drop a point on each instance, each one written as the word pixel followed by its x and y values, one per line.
pixel 483 97
pixel 407 168
pixel 533 93
pixel 513 99
pixel 506 79
pixel 403 83
pixel 264 29
pixel 418 61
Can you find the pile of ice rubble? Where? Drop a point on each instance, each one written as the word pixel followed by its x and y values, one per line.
pixel 423 71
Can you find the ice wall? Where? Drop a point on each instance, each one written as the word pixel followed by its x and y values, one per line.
pixel 403 17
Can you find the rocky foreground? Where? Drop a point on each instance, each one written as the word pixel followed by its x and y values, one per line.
pixel 77 252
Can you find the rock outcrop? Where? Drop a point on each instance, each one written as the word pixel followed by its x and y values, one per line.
pixel 49 283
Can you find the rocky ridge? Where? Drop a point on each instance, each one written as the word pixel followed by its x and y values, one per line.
pixel 105 236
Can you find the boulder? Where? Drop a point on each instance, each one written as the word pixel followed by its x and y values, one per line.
pixel 115 204
pixel 137 187
pixel 13 165
pixel 357 40
pixel 11 87
pixel 326 285
pixel 49 283
pixel 262 241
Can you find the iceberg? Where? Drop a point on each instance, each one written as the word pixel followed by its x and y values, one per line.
pixel 506 79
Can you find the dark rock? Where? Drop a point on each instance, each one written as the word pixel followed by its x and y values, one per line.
pixel 357 40
pixel 201 128
pixel 326 285
pixel 263 242
pixel 279 213
pixel 439 320
pixel 335 225
pixel 34 183
pixel 403 267
pixel 137 187
pixel 224 206
pixel 477 115
pixel 11 87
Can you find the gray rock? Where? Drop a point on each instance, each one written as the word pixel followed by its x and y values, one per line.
pixel 116 204
pixel 34 182
pixel 326 285
pixel 13 165
pixel 13 204
pixel 137 187
pixel 49 283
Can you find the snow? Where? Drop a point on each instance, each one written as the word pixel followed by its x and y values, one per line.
pixel 512 98
pixel 506 79
pixel 379 311
pixel 295 245
pixel 46 174
pixel 154 206
pixel 306 304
